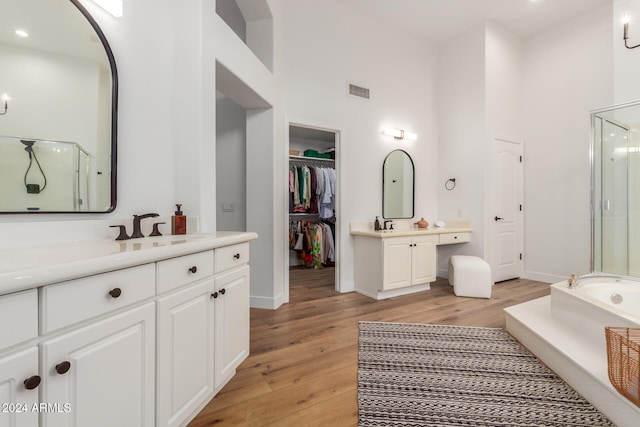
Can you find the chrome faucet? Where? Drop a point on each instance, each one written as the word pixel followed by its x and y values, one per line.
pixel 137 232
pixel 574 280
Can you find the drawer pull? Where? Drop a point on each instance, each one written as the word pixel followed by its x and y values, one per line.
pixel 115 292
pixel 63 368
pixel 237 256
pixel 214 295
pixel 193 269
pixel 222 291
pixel 32 382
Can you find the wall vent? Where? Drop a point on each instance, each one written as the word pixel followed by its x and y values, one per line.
pixel 358 91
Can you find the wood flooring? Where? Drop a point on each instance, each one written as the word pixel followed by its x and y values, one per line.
pixel 302 370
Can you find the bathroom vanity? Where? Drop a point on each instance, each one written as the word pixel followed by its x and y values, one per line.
pixel 136 333
pixel 389 263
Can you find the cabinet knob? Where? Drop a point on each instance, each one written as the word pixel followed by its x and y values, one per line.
pixel 222 291
pixel 115 292
pixel 63 367
pixel 237 256
pixel 32 382
pixel 193 269
pixel 214 295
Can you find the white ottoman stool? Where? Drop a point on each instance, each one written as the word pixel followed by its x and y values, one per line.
pixel 470 276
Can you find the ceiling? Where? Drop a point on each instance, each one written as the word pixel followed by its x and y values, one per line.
pixel 439 20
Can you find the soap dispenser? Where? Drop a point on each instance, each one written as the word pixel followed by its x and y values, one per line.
pixel 178 222
pixel 376 224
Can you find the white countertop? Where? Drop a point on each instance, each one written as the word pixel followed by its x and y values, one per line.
pixel 29 267
pixel 405 229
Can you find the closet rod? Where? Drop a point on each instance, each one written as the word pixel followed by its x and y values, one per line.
pixel 315 161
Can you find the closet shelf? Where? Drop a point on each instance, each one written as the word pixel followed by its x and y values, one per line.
pixel 310 159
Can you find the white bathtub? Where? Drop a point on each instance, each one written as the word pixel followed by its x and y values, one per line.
pixel 596 303
pixel 566 331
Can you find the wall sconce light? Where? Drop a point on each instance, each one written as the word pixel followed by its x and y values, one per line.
pixel 5 101
pixel 399 134
pixel 626 20
pixel 114 7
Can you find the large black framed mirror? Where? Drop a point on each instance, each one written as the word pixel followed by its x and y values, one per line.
pixel 398 185
pixel 58 127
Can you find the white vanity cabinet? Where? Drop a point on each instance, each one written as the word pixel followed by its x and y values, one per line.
pixel 203 328
pixel 102 374
pixel 408 261
pixel 19 374
pixel 232 322
pixel 146 344
pixel 19 388
pixel 390 263
pixel 185 352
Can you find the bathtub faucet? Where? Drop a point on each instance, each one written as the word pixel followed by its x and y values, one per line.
pixel 574 280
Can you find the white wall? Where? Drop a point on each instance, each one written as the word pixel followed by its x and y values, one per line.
pixel 626 61
pixel 462 138
pixel 480 97
pixel 320 46
pixel 231 171
pixel 568 72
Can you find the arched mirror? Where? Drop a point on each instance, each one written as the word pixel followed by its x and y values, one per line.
pixel 58 113
pixel 398 184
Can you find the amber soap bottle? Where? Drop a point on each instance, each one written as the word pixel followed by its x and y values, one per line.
pixel 178 222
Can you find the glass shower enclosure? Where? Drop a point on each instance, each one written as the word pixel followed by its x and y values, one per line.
pixel 44 175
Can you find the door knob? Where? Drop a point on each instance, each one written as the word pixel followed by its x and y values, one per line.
pixel 497 218
pixel 63 367
pixel 32 382
pixel 214 295
pixel 115 292
pixel 193 269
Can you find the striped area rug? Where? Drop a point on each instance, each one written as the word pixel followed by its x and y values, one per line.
pixel 434 375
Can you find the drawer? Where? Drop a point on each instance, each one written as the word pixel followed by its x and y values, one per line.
pixel 18 317
pixel 180 271
pixel 450 238
pixel 76 300
pixel 229 256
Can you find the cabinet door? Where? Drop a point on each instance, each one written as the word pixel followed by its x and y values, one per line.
pixel 423 261
pixel 397 263
pixel 185 352
pixel 102 375
pixel 18 404
pixel 232 323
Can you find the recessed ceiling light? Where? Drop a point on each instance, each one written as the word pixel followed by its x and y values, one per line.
pixel 22 33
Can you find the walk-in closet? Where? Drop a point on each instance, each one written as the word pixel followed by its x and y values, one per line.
pixel 312 211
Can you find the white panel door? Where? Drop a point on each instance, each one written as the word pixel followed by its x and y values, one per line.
pixel 232 323
pixel 185 352
pixel 397 263
pixel 423 268
pixel 19 400
pixel 506 232
pixel 102 375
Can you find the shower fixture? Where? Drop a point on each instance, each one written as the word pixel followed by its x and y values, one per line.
pixel 626 20
pixel 5 99
pixel 32 188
